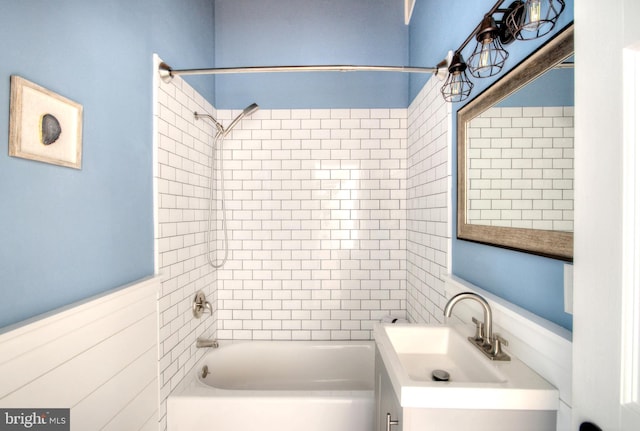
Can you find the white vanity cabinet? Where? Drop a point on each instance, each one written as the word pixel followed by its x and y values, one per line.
pixel 392 416
pixel 388 409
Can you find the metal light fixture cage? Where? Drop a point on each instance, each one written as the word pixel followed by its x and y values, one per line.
pixel 532 19
pixel 457 87
pixel 489 56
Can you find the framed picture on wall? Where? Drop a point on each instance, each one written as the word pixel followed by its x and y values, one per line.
pixel 44 126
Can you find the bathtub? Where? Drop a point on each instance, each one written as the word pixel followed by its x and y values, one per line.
pixel 278 385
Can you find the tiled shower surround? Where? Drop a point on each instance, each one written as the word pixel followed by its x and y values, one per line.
pixel 429 183
pixel 316 220
pixel 181 182
pixel 336 218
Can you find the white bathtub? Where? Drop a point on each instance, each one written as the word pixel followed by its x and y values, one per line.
pixel 279 386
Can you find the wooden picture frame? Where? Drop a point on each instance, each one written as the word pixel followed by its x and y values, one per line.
pixel 44 126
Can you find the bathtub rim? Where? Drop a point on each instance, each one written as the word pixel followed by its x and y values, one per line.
pixel 192 386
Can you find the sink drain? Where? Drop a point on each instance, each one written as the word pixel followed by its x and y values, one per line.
pixel 440 376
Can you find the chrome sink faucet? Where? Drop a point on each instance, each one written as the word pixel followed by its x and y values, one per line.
pixel 487 333
pixel 485 340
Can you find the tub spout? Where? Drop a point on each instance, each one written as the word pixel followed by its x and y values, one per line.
pixel 205 342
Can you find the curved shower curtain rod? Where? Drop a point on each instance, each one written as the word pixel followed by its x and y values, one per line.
pixel 167 73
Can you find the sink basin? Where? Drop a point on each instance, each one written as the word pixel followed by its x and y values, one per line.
pixel 424 349
pixel 411 353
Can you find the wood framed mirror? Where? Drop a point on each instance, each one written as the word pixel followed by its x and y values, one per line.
pixel 515 156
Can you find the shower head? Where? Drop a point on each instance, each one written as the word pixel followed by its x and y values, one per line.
pixel 250 109
pixel 221 130
pixel 245 112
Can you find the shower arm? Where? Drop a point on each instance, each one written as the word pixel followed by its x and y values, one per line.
pixel 213 120
pixel 167 73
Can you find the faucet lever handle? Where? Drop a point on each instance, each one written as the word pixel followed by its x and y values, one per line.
pixel 200 305
pixel 501 340
pixel 496 348
pixel 479 329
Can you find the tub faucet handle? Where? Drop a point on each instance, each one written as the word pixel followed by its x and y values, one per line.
pixel 200 305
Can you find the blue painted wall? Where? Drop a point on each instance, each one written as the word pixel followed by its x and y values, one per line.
pixel 68 234
pixel 532 282
pixel 303 32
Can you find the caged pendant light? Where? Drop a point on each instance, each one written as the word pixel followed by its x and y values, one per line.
pixel 521 20
pixel 489 56
pixel 457 87
pixel 532 19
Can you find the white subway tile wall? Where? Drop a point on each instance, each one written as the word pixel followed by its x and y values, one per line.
pixel 182 179
pixel 428 203
pixel 520 171
pixel 316 224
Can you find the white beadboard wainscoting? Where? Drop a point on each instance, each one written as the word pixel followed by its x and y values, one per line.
pixel 98 357
pixel 544 346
